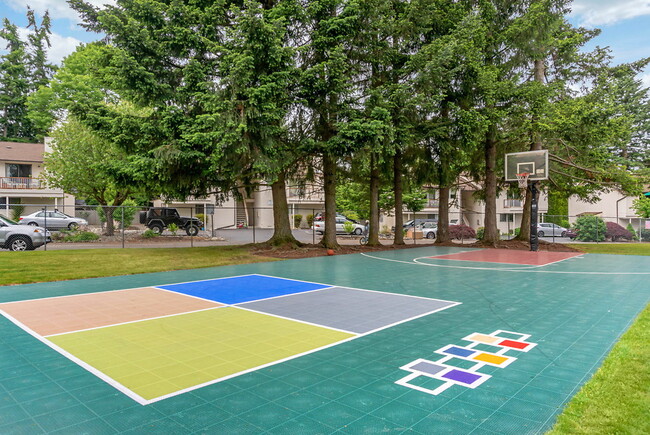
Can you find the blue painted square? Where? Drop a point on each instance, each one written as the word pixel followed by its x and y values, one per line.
pixel 240 289
pixel 459 351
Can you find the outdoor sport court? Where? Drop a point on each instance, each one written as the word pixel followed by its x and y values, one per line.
pixel 427 340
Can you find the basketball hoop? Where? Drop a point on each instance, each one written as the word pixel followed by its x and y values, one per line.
pixel 522 179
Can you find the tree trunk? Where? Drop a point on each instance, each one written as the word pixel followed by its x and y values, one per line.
pixel 536 144
pixel 281 225
pixel 373 234
pixel 491 235
pixel 443 216
pixel 108 214
pixel 397 191
pixel 329 181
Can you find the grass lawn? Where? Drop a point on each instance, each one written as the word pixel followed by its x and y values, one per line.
pixel 613 248
pixel 617 398
pixel 41 266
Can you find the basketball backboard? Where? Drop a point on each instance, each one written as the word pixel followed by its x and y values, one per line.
pixel 534 163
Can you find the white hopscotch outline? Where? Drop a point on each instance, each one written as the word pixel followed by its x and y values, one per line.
pixel 142 401
pixel 449 383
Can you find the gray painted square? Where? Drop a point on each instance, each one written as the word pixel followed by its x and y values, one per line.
pixel 357 311
pixel 427 367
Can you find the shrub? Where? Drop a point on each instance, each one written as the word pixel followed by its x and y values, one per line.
pixel 148 234
pixel 616 232
pixel 517 231
pixel 130 208
pixel 201 217
pixel 351 215
pixel 348 227
pixel 310 220
pixel 480 232
pixel 80 236
pixel 630 228
pixel 461 231
pixel 173 228
pixel 16 211
pixel 297 219
pixel 644 235
pixel 564 223
pixel 590 229
pixel 384 229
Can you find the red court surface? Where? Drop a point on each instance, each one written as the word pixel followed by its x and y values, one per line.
pixel 506 256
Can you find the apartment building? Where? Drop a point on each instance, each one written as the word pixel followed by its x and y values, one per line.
pixel 21 165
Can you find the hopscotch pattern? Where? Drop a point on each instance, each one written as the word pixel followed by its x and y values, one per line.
pixel 470 378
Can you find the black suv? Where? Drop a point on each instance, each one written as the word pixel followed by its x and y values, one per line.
pixel 159 218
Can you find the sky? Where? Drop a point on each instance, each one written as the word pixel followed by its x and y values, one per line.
pixel 625 26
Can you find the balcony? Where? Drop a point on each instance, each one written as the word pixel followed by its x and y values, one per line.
pixel 433 203
pixel 21 183
pixel 510 203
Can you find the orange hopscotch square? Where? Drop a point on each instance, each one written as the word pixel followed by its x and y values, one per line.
pixel 489 358
pixel 59 315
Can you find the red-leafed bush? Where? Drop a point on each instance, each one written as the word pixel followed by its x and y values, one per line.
pixel 616 232
pixel 461 232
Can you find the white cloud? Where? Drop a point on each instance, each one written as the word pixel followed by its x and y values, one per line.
pixel 61 45
pixel 592 13
pixel 57 8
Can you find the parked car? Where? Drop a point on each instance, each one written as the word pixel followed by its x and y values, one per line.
pixel 159 218
pixel 418 222
pixel 319 226
pixel 16 237
pixel 548 229
pixel 53 219
pixel 429 230
pixel 572 234
pixel 320 216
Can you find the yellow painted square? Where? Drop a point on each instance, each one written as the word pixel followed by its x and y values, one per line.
pixel 195 348
pixel 489 358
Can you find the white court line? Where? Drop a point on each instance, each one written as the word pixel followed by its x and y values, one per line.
pixel 524 266
pixel 137 321
pixel 294 320
pixel 101 375
pixel 559 272
pixel 123 289
pixel 214 381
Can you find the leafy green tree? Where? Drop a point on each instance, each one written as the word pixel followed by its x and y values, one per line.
pixel 642 207
pixel 84 164
pixel 325 87
pixel 22 71
pixel 14 84
pixel 217 78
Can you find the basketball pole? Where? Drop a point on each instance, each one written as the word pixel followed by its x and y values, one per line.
pixel 534 241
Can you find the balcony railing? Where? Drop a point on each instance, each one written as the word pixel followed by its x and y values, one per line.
pixel 20 183
pixel 434 203
pixel 508 203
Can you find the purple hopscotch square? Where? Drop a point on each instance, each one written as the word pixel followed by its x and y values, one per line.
pixel 462 376
pixel 459 351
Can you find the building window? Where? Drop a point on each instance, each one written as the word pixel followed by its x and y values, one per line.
pixel 507 217
pixel 199 209
pixel 18 171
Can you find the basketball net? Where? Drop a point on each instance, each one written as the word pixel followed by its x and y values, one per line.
pixel 522 179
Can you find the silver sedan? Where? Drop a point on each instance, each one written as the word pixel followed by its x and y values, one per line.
pixel 53 219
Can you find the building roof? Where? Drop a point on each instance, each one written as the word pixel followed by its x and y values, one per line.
pixel 21 152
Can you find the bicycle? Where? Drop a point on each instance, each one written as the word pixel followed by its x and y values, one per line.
pixel 363 240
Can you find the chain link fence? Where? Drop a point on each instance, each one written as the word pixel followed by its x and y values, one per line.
pixel 190 225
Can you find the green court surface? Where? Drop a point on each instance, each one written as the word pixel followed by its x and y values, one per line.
pixel 569 312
